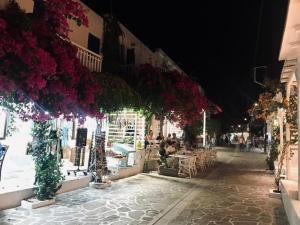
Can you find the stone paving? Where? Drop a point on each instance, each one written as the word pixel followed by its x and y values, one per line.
pixel 235 193
pixel 134 200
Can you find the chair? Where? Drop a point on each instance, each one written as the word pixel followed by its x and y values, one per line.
pixel 200 161
pixel 151 158
pixel 193 161
pixel 187 166
pixel 208 158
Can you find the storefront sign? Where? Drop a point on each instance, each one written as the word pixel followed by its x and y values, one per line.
pixel 81 137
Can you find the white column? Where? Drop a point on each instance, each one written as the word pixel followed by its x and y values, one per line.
pixel 287 134
pixel 165 129
pixel 298 109
pixel 204 128
pixel 269 132
pixel 135 130
pixel 280 119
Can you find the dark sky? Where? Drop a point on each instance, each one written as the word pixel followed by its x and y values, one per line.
pixel 212 40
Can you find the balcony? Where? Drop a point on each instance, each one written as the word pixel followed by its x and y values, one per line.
pixel 89 59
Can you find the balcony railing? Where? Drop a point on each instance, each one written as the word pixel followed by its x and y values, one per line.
pixel 89 59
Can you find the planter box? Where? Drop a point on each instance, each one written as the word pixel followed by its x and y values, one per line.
pixel 34 203
pixel 168 171
pixel 100 185
pixel 273 194
pixel 270 171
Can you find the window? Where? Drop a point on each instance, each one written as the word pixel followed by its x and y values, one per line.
pixel 122 54
pixel 131 56
pixel 94 44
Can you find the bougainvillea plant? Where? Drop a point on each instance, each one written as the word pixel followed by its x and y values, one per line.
pixel 39 69
pixel 169 94
pixel 41 78
pixel 266 105
pixel 184 101
pixel 116 95
pixel 151 85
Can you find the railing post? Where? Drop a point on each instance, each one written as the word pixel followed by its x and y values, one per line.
pixel 88 58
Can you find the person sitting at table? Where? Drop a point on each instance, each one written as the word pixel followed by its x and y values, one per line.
pixel 163 153
pixel 150 135
pixel 160 137
pixel 170 149
pixel 146 143
pixel 169 139
pixel 174 139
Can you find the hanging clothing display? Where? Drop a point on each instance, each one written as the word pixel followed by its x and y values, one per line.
pixel 101 163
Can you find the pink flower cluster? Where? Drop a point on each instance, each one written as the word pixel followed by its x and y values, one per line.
pixel 185 102
pixel 57 12
pixel 37 65
pixel 179 97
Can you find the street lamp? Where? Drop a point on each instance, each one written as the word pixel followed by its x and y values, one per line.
pixel 204 128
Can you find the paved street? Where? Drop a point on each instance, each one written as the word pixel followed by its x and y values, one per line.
pixel 235 192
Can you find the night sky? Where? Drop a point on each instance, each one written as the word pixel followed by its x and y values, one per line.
pixel 214 41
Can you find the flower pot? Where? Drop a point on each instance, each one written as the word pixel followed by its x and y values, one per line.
pixel 101 185
pixel 275 193
pixel 168 171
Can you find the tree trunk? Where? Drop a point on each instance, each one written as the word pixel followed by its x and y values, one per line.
pixel 161 124
pixel 148 123
pixel 265 137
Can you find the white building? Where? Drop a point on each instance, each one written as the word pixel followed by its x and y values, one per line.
pixel 88 40
pixel 290 53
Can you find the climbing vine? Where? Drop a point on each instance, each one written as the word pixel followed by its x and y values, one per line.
pixel 273 155
pixel 291 118
pixel 44 151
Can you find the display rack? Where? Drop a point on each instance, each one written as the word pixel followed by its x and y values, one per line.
pixel 125 127
pixel 81 140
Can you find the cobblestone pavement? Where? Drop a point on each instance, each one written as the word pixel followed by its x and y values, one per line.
pixel 234 193
pixel 134 200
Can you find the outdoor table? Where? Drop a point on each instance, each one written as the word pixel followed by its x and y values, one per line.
pixel 180 158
